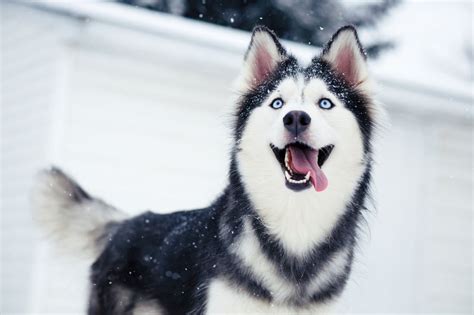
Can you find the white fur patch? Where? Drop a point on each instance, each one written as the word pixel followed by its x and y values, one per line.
pixel 75 226
pixel 148 308
pixel 249 250
pixel 224 298
pixel 335 267
pixel 124 299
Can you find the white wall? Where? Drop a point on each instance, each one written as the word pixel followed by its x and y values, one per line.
pixel 417 253
pixel 29 62
pixel 139 117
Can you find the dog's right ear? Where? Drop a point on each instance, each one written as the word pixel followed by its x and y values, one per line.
pixel 347 57
pixel 261 59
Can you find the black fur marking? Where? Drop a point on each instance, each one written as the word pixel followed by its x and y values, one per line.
pixel 343 236
pixel 352 98
pixel 336 285
pixel 254 98
pixel 167 258
pixel 76 193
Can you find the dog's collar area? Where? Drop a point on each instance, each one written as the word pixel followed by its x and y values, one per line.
pixel 297 161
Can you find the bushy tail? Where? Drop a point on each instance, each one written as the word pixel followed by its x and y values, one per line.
pixel 77 222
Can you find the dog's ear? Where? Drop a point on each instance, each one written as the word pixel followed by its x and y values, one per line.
pixel 346 55
pixel 261 59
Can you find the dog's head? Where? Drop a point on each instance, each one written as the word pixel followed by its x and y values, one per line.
pixel 303 130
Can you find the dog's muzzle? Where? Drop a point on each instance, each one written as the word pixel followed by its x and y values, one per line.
pixel 302 165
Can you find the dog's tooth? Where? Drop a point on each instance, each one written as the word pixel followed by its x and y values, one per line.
pixel 295 181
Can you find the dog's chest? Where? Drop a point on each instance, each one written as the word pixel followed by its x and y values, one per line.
pixel 223 298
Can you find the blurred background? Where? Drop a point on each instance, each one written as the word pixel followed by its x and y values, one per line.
pixel 133 99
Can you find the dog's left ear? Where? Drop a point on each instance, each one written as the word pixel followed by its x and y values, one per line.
pixel 346 55
pixel 263 56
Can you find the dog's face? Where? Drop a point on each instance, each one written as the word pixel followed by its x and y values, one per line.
pixel 303 130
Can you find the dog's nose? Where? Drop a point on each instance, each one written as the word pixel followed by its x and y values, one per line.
pixel 296 121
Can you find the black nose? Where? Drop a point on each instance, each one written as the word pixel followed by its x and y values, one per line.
pixel 296 121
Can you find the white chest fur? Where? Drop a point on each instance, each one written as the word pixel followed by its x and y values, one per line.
pixel 223 298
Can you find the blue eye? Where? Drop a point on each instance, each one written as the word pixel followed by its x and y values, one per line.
pixel 325 103
pixel 277 103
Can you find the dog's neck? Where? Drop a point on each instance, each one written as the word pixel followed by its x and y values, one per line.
pixel 244 231
pixel 299 221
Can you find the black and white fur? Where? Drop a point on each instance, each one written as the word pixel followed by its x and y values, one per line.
pixel 261 247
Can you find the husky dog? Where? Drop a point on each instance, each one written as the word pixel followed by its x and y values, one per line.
pixel 281 237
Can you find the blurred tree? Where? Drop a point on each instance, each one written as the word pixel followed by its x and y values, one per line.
pixel 306 21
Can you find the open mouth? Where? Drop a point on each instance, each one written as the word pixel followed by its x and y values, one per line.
pixel 302 164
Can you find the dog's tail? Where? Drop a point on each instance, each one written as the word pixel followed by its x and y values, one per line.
pixel 79 223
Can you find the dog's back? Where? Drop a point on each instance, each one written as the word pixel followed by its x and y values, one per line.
pixel 155 258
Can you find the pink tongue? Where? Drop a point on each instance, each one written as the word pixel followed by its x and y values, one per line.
pixel 304 161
